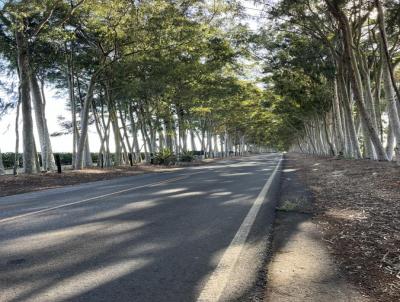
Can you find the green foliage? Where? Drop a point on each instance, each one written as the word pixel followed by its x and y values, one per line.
pixel 187 156
pixel 164 157
pixel 8 160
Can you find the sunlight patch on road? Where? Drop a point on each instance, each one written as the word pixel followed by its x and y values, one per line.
pixel 50 239
pixel 235 174
pixel 170 191
pixel 221 194
pixel 186 194
pixel 91 279
pixel 289 170
pixel 130 207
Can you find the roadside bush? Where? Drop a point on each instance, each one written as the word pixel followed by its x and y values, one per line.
pixel 187 156
pixel 8 160
pixel 164 157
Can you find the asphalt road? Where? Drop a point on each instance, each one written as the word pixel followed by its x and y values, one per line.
pixel 198 234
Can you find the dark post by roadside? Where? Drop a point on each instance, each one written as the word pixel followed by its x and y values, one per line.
pixel 58 162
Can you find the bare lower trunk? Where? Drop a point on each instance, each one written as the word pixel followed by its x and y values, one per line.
pixel 70 77
pixel 41 124
pixel 388 84
pixel 16 152
pixel 192 140
pixel 134 131
pixel 390 142
pixel 338 120
pixel 27 128
pixel 84 124
pixel 392 108
pixel 88 162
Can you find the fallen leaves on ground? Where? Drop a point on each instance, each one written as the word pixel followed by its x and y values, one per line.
pixel 357 207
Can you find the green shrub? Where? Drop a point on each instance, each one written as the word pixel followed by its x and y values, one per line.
pixel 187 156
pixel 164 157
pixel 8 160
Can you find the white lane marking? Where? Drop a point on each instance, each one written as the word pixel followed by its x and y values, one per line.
pixel 215 285
pixel 101 196
pixel 96 197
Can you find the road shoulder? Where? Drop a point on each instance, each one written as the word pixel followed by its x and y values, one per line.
pixel 301 267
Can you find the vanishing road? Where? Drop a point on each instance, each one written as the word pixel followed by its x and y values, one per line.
pixel 196 234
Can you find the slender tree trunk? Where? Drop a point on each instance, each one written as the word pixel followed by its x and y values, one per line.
pixel 386 54
pixel 100 134
pixel 41 124
pixel 16 152
pixel 392 109
pixel 125 132
pixel 72 101
pixel 135 135
pixel 192 140
pixel 377 98
pixel 215 138
pixel 338 119
pixel 84 124
pixel 390 142
pixel 27 129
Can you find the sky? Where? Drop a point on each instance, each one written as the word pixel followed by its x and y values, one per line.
pixel 56 101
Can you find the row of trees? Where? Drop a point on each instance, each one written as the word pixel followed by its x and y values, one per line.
pixel 155 74
pixel 331 69
pixel 151 74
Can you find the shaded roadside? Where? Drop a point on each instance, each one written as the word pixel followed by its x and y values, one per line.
pixel 301 268
pixel 356 215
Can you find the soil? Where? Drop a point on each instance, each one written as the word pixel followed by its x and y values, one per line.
pixel 357 209
pixel 301 268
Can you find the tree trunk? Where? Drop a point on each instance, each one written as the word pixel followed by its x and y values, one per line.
pixel 386 54
pixel 70 78
pixel 338 119
pixel 356 78
pixel 390 142
pixel 16 152
pixel 41 124
pixel 84 124
pixel 27 129
pixel 392 108
pixel 134 131
pixel 192 140
pixel 88 162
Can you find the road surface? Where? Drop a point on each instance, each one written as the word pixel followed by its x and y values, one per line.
pixel 197 234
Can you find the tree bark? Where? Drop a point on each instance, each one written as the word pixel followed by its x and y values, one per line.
pixel 41 124
pixel 27 129
pixel 84 124
pixel 356 78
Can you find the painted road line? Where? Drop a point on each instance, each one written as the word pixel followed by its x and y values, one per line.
pixel 215 285
pixel 96 197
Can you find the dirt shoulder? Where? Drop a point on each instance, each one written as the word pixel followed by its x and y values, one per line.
pixel 301 268
pixel 356 205
pixel 10 185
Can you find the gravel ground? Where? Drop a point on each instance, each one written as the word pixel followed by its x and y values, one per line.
pixel 357 208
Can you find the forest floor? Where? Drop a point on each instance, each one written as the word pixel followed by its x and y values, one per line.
pixel 10 184
pixel 356 207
